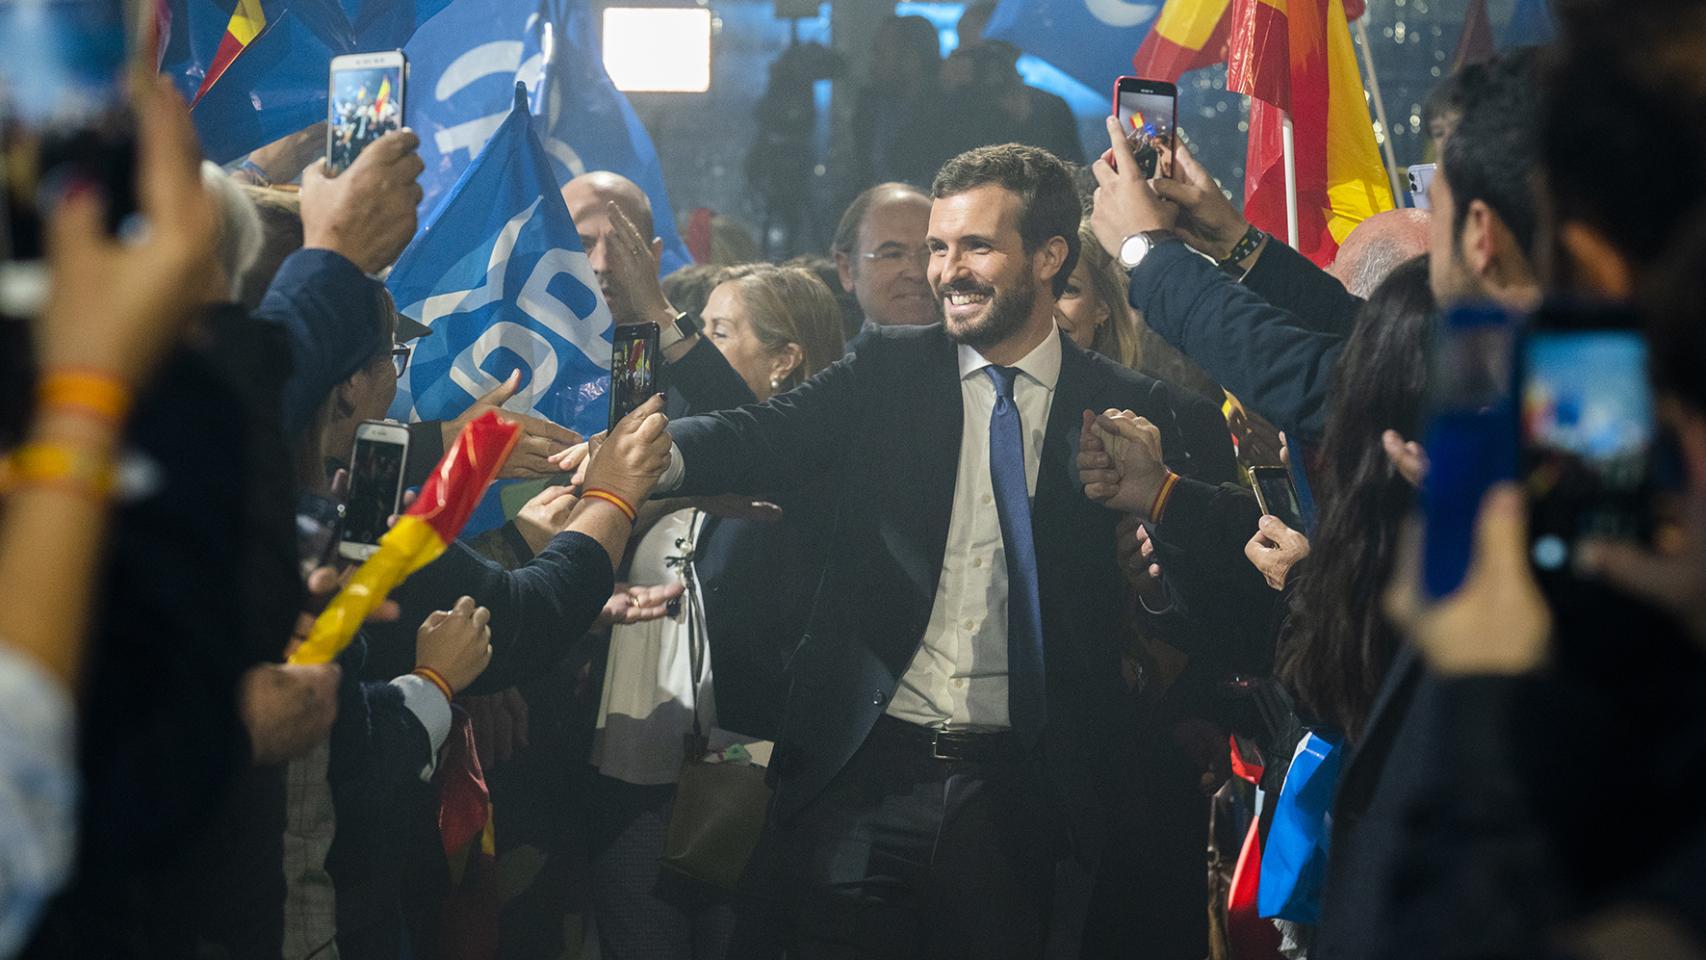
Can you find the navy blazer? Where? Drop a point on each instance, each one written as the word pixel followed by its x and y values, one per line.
pixel 875 439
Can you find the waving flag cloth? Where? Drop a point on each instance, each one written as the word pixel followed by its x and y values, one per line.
pixel 420 536
pixel 1090 40
pixel 1189 34
pixel 1295 57
pixel 255 70
pixel 499 275
pixel 462 70
pixel 1531 25
pixel 1475 43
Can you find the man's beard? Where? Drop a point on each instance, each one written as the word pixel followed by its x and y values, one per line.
pixel 1004 316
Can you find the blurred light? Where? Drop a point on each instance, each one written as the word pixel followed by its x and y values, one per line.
pixel 658 49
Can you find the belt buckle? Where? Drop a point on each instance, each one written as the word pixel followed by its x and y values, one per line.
pixel 935 747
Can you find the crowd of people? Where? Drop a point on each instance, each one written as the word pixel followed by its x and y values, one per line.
pixel 947 533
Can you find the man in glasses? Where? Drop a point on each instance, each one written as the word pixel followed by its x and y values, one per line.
pixel 879 250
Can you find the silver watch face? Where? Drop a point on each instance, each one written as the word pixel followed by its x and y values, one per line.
pixel 1133 250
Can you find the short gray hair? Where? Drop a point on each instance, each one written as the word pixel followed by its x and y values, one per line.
pixel 239 226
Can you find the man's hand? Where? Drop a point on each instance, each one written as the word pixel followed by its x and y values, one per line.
pixel 366 213
pixel 1135 550
pixel 631 274
pixel 1119 461
pixel 632 604
pixel 287 709
pixel 1125 203
pixel 630 460
pixel 457 643
pixel 500 725
pixel 1207 220
pixel 1275 549
pixel 1407 457
pixel 119 307
pixel 546 515
pixel 1497 622
pixel 541 440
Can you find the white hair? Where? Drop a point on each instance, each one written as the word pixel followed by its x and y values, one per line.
pixel 240 236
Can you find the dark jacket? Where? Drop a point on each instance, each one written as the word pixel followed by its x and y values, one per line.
pixel 878 435
pixel 329 311
pixel 1252 337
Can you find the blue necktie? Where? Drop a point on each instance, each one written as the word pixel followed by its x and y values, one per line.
pixel 1027 700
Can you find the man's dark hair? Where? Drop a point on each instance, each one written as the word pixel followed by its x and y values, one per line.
pixel 1623 132
pixel 1048 201
pixel 1444 103
pixel 847 231
pixel 1494 150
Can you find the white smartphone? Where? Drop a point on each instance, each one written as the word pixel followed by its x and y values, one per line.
pixel 364 102
pixel 375 485
pixel 1421 175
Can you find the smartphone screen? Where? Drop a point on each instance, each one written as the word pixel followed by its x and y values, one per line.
pixel 375 486
pixel 63 114
pixel 1277 496
pixel 1588 429
pixel 1470 436
pixel 1146 113
pixel 633 368
pixel 366 102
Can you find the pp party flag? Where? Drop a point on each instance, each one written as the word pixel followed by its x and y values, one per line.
pixel 463 67
pixel 1090 40
pixel 1295 58
pixel 421 534
pixel 499 275
pixel 1188 35
pixel 256 70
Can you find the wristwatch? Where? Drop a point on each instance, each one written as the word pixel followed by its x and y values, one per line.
pixel 685 325
pixel 1137 246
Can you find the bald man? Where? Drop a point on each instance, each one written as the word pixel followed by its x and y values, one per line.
pixel 880 253
pixel 587 197
pixel 1376 248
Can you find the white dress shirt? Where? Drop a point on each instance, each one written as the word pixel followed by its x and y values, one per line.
pixel 958 678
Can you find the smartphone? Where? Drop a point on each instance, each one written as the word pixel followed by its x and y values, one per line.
pixel 1147 111
pixel 633 368
pixel 364 104
pixel 375 486
pixel 1421 175
pixel 319 524
pixel 1470 436
pixel 1276 495
pixel 1588 435
pixel 64 119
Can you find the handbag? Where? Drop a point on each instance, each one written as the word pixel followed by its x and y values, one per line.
pixel 1294 862
pixel 720 801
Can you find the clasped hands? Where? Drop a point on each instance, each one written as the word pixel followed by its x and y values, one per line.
pixel 1119 461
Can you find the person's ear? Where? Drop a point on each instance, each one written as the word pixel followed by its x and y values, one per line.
pixel 1596 265
pixel 1050 259
pixel 844 267
pixel 785 361
pixel 1475 237
pixel 344 394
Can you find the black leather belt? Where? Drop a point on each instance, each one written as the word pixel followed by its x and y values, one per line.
pixel 951 744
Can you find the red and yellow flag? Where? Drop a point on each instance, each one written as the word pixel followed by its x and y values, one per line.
pixel 419 537
pixel 383 95
pixel 1295 58
pixel 247 22
pixel 1188 34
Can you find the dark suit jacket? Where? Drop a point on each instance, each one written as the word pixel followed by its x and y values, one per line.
pixel 877 435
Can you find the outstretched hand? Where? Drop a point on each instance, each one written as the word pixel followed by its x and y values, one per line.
pixel 1119 461
pixel 540 441
pixel 638 604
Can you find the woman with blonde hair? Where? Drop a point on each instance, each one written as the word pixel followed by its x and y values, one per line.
pixel 1093 311
pixel 775 325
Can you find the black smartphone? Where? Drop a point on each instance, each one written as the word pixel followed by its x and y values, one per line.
pixel 319 526
pixel 633 368
pixel 365 102
pixel 1588 432
pixel 64 119
pixel 375 486
pixel 1470 436
pixel 1147 111
pixel 1276 495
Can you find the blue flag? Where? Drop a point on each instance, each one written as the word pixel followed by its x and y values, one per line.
pixel 1091 41
pixel 499 275
pixel 271 60
pixel 1531 25
pixel 463 66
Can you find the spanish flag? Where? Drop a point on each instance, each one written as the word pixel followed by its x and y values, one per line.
pixel 1189 34
pixel 247 22
pixel 1295 58
pixel 420 536
pixel 383 95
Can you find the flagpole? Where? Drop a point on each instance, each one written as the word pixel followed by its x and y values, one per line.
pixel 1290 154
pixel 1379 109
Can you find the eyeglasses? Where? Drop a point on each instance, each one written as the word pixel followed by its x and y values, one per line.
pixel 894 257
pixel 400 357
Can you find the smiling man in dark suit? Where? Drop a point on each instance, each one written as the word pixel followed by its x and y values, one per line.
pixel 947 731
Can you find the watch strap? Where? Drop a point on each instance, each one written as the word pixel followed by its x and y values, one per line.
pixel 685 325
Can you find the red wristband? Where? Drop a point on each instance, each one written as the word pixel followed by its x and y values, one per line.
pixel 1160 505
pixel 436 679
pixel 612 499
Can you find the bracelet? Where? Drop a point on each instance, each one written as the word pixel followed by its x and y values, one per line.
pixel 255 173
pixel 436 679
pixel 612 499
pixel 1161 495
pixel 56 464
pixel 1245 246
pixel 90 392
